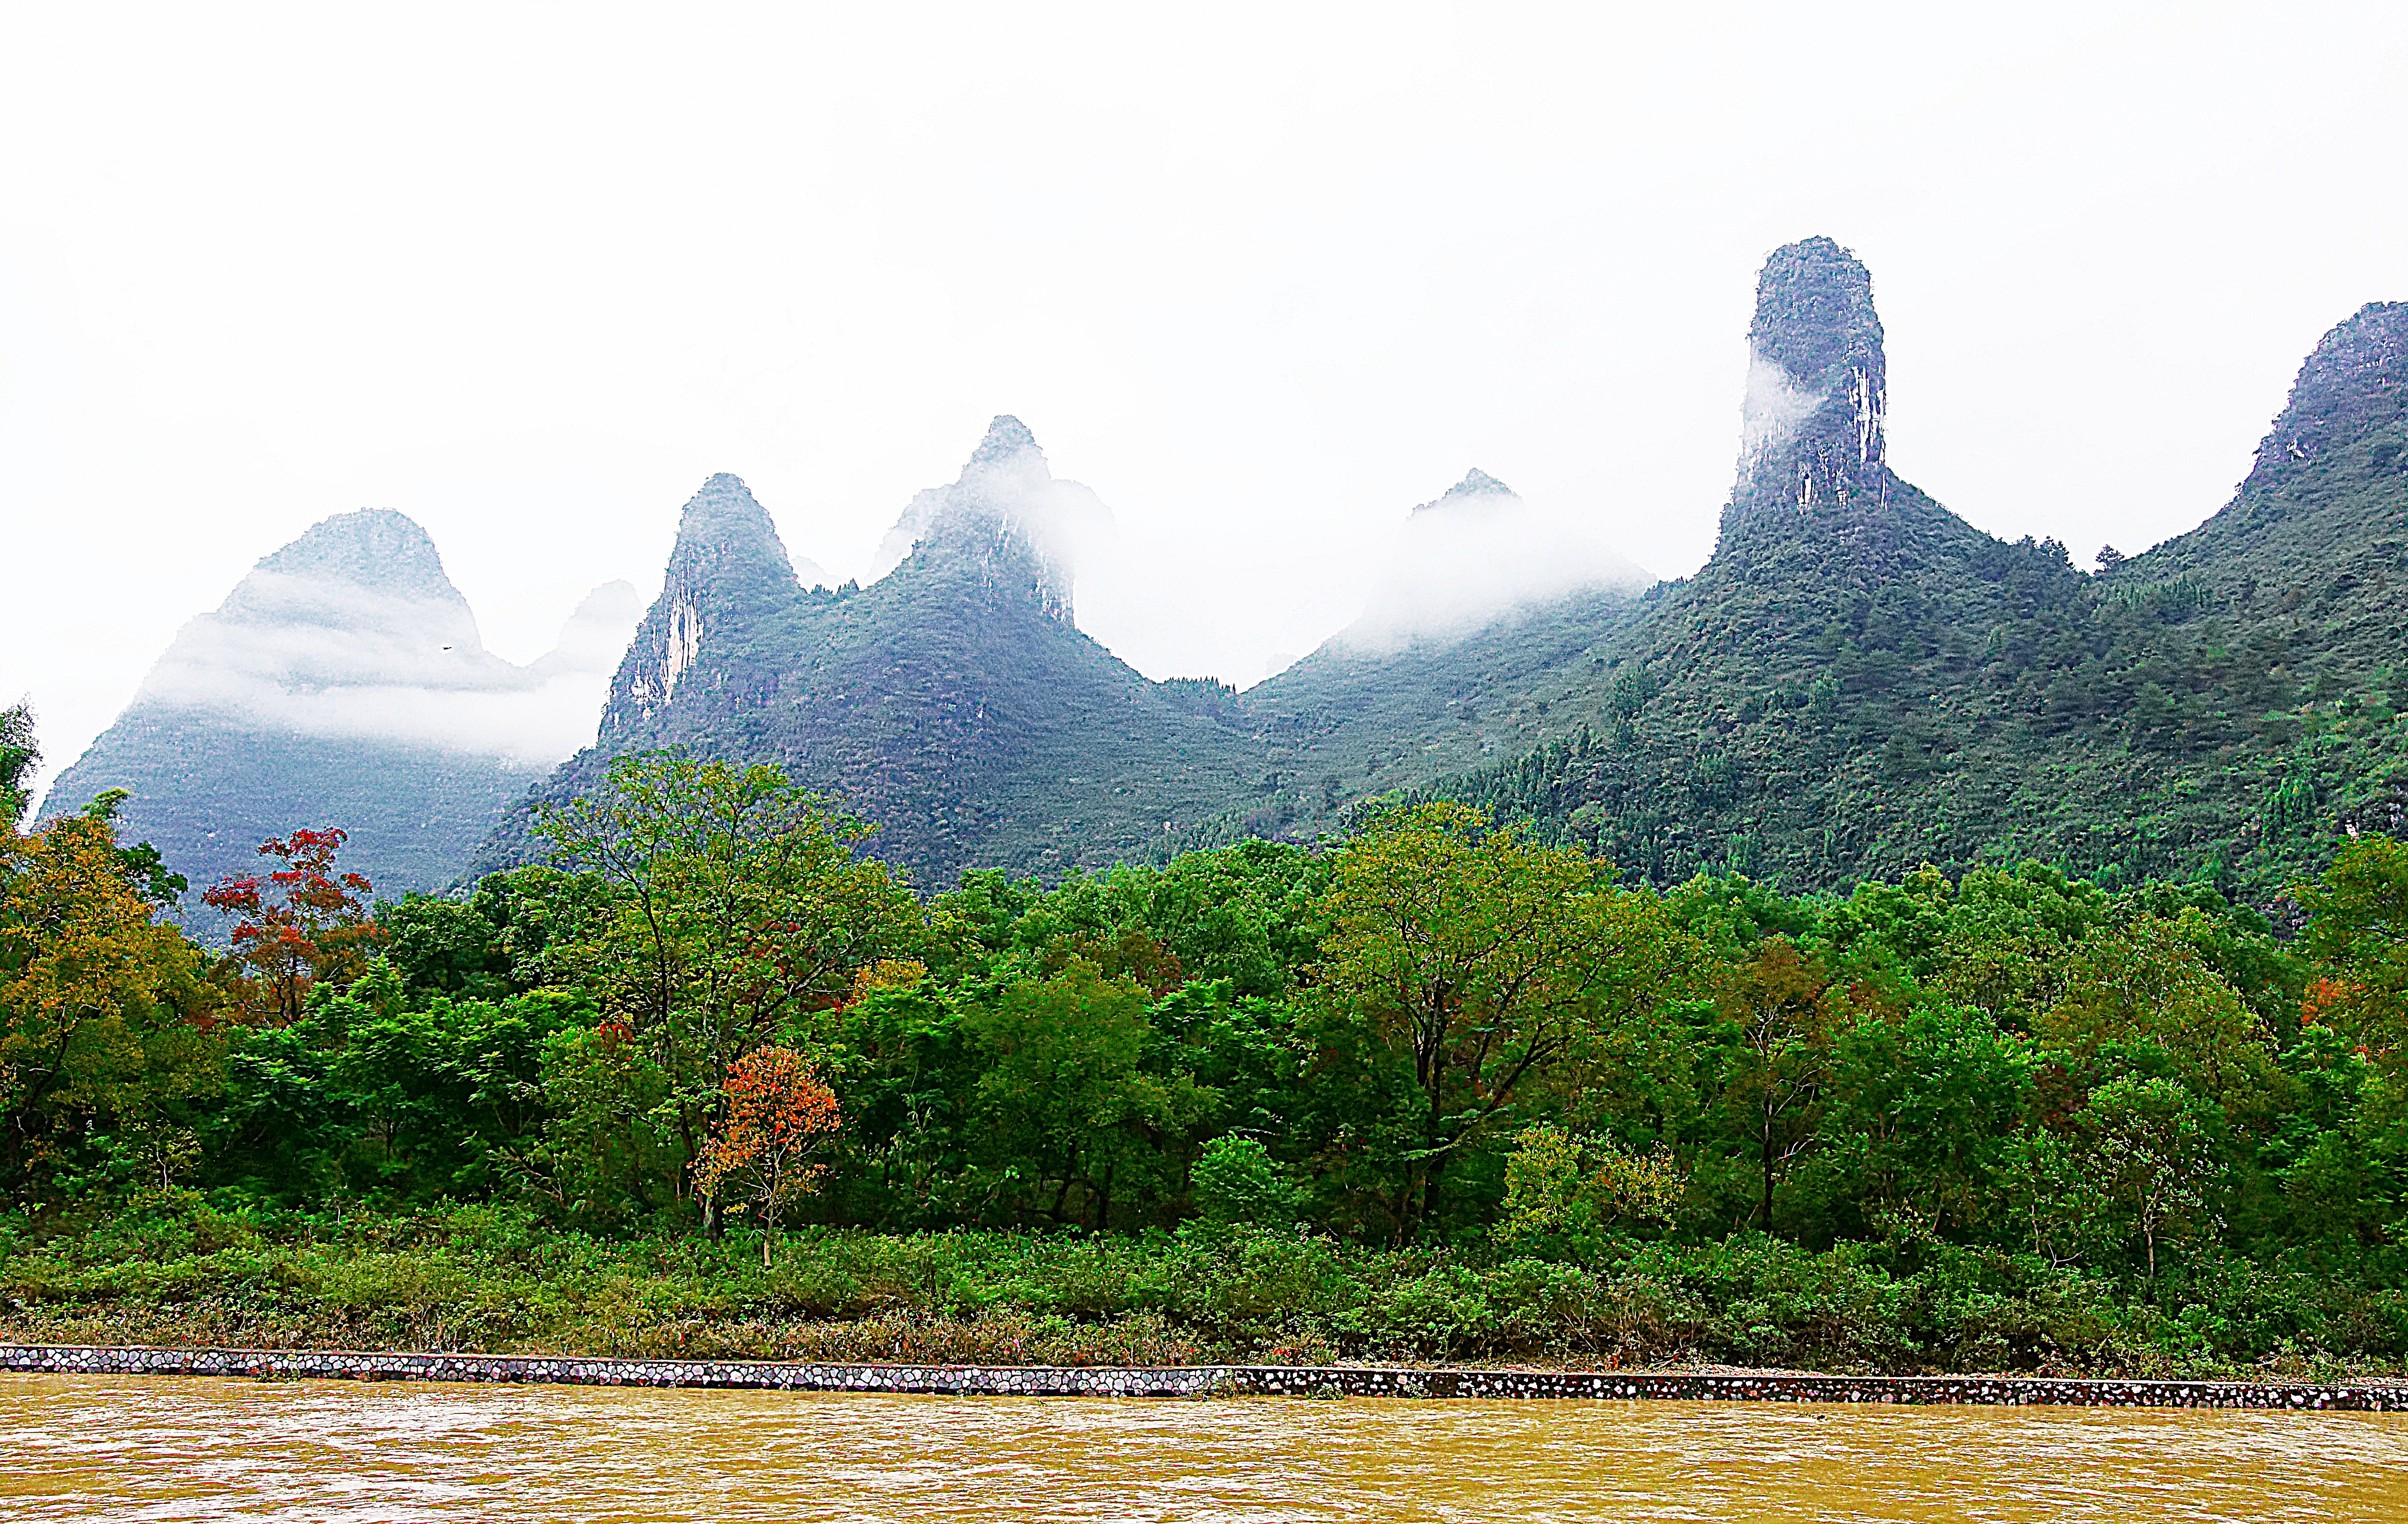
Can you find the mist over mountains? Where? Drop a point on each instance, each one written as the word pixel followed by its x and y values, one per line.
pixel 343 682
pixel 1855 683
pixel 1474 556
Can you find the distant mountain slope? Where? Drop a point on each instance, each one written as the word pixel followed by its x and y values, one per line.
pixel 1858 682
pixel 1481 598
pixel 953 702
pixel 342 683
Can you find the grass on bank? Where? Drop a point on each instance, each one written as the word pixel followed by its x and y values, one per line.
pixel 494 1280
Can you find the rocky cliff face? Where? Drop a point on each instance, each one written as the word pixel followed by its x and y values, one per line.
pixel 1817 388
pixel 727 575
pixel 2353 388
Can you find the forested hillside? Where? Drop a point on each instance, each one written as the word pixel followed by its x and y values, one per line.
pixel 1858 682
pixel 952 703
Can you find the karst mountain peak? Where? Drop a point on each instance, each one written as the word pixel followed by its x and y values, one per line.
pixel 382 549
pixel 728 573
pixel 1007 438
pixel 2354 384
pixel 1007 519
pixel 1476 483
pixel 342 682
pixel 1856 682
pixel 1817 387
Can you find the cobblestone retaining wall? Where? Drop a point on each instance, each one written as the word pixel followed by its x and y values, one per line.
pixel 1191 1380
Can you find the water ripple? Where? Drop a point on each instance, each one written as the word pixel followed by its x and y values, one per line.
pixel 175 1448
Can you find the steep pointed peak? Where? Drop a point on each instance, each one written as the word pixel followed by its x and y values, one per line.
pixel 371 548
pixel 723 488
pixel 1476 483
pixel 724 517
pixel 1006 517
pixel 728 550
pixel 1006 437
pixel 728 568
pixel 2354 381
pixel 1812 431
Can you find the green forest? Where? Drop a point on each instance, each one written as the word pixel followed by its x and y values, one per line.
pixel 713 1079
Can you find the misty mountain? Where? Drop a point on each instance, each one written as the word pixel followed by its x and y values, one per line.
pixel 953 702
pixel 1481 596
pixel 1860 682
pixel 1855 683
pixel 343 683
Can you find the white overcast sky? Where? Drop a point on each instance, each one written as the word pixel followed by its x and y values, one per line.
pixel 1264 278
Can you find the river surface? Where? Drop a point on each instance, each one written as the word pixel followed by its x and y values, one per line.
pixel 193 1448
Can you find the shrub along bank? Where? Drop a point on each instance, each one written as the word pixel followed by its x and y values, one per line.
pixel 495 1280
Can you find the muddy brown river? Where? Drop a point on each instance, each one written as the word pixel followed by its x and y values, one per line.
pixel 205 1448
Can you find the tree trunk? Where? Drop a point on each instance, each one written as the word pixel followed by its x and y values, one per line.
pixel 1425 1201
pixel 1764 1215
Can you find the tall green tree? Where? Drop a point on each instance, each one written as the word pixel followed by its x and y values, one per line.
pixel 2156 1156
pixel 741 910
pixel 1072 1116
pixel 1783 1027
pixel 1472 951
pixel 18 757
pixel 105 1020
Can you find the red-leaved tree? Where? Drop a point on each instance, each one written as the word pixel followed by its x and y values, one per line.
pixel 300 925
pixel 779 1114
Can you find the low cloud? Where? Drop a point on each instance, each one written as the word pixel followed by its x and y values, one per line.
pixel 1477 555
pixel 344 644
pixel 1770 414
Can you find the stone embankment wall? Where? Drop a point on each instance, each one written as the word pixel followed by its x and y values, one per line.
pixel 1193 1380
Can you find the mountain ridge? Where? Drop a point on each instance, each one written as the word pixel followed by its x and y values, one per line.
pixel 1856 682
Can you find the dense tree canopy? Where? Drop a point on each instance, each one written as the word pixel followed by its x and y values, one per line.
pixel 710 996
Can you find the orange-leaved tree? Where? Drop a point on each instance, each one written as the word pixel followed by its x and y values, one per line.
pixel 303 924
pixel 2357 938
pixel 778 1114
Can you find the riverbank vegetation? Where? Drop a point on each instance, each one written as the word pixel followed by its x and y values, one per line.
pixel 713 1081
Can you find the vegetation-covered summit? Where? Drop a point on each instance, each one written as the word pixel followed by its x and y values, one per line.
pixel 1858 682
pixel 951 701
